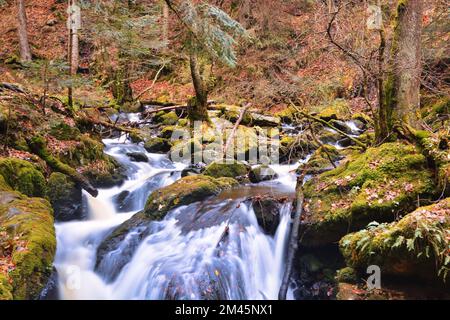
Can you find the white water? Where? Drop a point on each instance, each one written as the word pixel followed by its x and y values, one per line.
pixel 183 257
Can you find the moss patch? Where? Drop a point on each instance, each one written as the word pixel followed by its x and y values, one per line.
pixel 29 223
pixel 377 185
pixel 23 176
pixel 223 169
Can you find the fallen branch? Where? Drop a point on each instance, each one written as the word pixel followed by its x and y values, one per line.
pixel 236 125
pixel 108 124
pixel 153 83
pixel 38 146
pixel 326 123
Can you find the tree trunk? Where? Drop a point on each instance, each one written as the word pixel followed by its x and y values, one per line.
pixel 25 51
pixel 165 28
pixel 400 99
pixel 198 108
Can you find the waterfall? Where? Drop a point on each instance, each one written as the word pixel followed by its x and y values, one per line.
pixel 187 255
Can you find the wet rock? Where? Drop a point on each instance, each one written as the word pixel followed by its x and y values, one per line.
pixel 50 291
pixel 193 169
pixel 341 125
pixel 295 148
pixel 120 199
pixel 158 145
pixel 321 161
pixel 267 211
pixel 166 118
pixel 120 245
pixel 262 173
pixel 262 120
pixel 65 196
pixel 137 156
pixel 107 175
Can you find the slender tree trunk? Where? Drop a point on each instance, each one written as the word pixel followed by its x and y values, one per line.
pixel 25 51
pixel 198 109
pixel 400 101
pixel 165 28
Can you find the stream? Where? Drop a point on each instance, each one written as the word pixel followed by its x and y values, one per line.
pixel 185 256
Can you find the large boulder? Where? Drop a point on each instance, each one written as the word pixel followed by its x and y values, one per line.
pixel 65 196
pixel 230 169
pixel 378 185
pixel 322 160
pixel 416 246
pixel 23 176
pixel 27 245
pixel 183 192
pixel 137 156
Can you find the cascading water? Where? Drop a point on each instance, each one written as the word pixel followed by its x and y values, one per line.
pixel 213 249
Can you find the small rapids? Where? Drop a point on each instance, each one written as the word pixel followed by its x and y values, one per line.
pixel 212 249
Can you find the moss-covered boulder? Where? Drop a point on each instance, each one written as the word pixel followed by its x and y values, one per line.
pixel 172 132
pixel 417 245
pixel 83 152
pixel 166 118
pixel 232 169
pixel 65 197
pixel 63 131
pixel 183 192
pixel 104 173
pixel 377 185
pixel 338 110
pixel 137 156
pixel 27 245
pixel 158 145
pixel 23 176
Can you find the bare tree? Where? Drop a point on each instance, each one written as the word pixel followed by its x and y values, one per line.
pixel 24 45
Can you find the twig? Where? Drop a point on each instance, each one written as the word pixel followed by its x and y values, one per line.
pixel 236 125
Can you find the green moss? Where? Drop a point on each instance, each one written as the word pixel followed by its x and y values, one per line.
pixel 321 160
pixel 364 118
pixel 183 192
pixel 338 110
pixel 377 185
pixel 223 169
pixel 417 245
pixel 172 131
pixel 30 223
pixel 347 275
pixel 86 151
pixel 4 186
pixel 5 288
pixel 23 176
pixel 60 187
pixel 287 115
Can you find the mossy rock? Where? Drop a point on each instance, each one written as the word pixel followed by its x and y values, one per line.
pixel 105 173
pixel 295 148
pixel 262 173
pixel 233 169
pixel 166 118
pixel 338 110
pixel 172 132
pixel 63 131
pixel 158 145
pixel 86 151
pixel 183 192
pixel 438 107
pixel 347 275
pixel 377 185
pixel 28 222
pixel 321 161
pixel 65 196
pixel 186 151
pixel 287 115
pixel 417 245
pixel 23 176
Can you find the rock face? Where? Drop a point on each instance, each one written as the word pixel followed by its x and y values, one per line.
pixel 183 192
pixel 26 224
pixel 267 211
pixel 193 169
pixel 65 196
pixel 377 185
pixel 262 173
pixel 416 246
pixel 224 169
